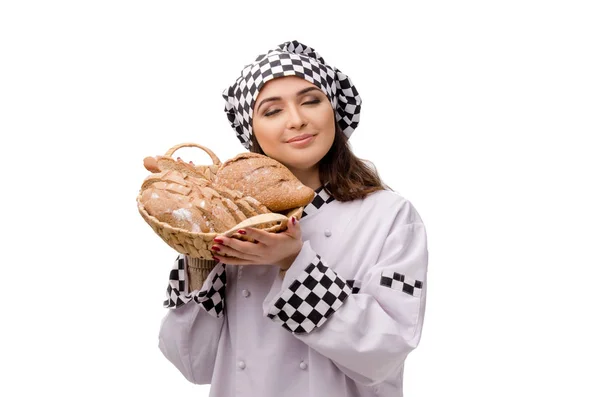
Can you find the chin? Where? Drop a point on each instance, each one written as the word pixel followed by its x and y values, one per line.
pixel 300 160
pixel 301 165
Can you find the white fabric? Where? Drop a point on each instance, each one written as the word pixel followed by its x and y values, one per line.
pixel 359 350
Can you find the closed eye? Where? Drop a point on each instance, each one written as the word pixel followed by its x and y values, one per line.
pixel 312 102
pixel 272 112
pixel 275 111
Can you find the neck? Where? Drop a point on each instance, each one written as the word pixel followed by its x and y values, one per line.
pixel 309 177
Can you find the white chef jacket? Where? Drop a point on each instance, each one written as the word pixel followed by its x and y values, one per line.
pixel 340 323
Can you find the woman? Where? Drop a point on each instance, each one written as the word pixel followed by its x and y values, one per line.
pixel 333 305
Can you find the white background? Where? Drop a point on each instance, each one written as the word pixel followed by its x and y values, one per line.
pixel 483 114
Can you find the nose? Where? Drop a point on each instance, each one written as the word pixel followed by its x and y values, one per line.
pixel 295 118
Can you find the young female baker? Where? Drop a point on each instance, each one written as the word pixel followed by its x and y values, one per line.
pixel 333 305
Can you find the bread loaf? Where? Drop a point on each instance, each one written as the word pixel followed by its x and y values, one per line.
pixel 179 194
pixel 264 179
pixel 174 209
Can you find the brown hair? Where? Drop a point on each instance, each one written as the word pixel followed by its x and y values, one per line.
pixel 349 177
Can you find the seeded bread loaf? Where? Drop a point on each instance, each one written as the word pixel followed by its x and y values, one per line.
pixel 175 209
pixel 264 179
pixel 179 195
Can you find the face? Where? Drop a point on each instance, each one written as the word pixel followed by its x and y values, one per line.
pixel 288 108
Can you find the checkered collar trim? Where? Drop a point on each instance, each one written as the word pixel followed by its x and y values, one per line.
pixel 319 201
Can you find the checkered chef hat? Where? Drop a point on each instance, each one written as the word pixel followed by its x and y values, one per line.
pixel 290 59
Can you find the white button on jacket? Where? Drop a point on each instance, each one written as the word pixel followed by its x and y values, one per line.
pixel 340 323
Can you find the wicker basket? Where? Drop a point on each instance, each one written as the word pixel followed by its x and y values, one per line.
pixel 197 245
pixel 208 171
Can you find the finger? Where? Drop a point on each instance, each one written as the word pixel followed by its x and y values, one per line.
pixel 293 228
pixel 232 261
pixel 253 248
pixel 260 235
pixel 225 250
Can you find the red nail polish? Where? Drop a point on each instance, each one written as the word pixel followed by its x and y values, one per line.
pixel 215 248
pixel 218 240
pixel 241 231
pixel 294 220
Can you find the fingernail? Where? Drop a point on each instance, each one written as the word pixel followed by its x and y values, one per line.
pixel 241 231
pixel 218 240
pixel 294 220
pixel 215 248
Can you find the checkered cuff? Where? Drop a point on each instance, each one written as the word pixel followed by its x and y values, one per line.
pixel 310 299
pixel 211 296
pixel 402 283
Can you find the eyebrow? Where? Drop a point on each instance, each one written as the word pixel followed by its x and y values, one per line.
pixel 276 98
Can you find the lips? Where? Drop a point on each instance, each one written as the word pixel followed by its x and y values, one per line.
pixel 299 138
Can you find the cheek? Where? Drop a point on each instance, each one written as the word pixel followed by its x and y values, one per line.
pixel 329 124
pixel 328 117
pixel 267 137
pixel 328 141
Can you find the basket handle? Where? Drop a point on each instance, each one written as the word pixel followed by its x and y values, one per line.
pixel 255 221
pixel 213 156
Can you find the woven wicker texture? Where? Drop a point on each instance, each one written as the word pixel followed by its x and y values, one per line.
pixel 190 184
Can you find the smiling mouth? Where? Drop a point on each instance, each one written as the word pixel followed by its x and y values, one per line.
pixel 300 138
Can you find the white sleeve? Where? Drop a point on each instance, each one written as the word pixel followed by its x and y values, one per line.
pixel 211 295
pixel 367 329
pixel 190 332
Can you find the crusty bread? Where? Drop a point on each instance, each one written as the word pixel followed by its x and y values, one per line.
pixel 174 209
pixel 265 179
pixel 230 194
pixel 179 194
pixel 255 204
pixel 163 163
pixel 235 210
pixel 213 208
pixel 248 211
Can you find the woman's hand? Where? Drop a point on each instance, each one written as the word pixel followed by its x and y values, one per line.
pixel 279 249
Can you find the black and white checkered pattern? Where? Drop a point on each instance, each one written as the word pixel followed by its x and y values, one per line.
pixel 309 301
pixel 401 282
pixel 354 285
pixel 321 198
pixel 211 296
pixel 290 59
